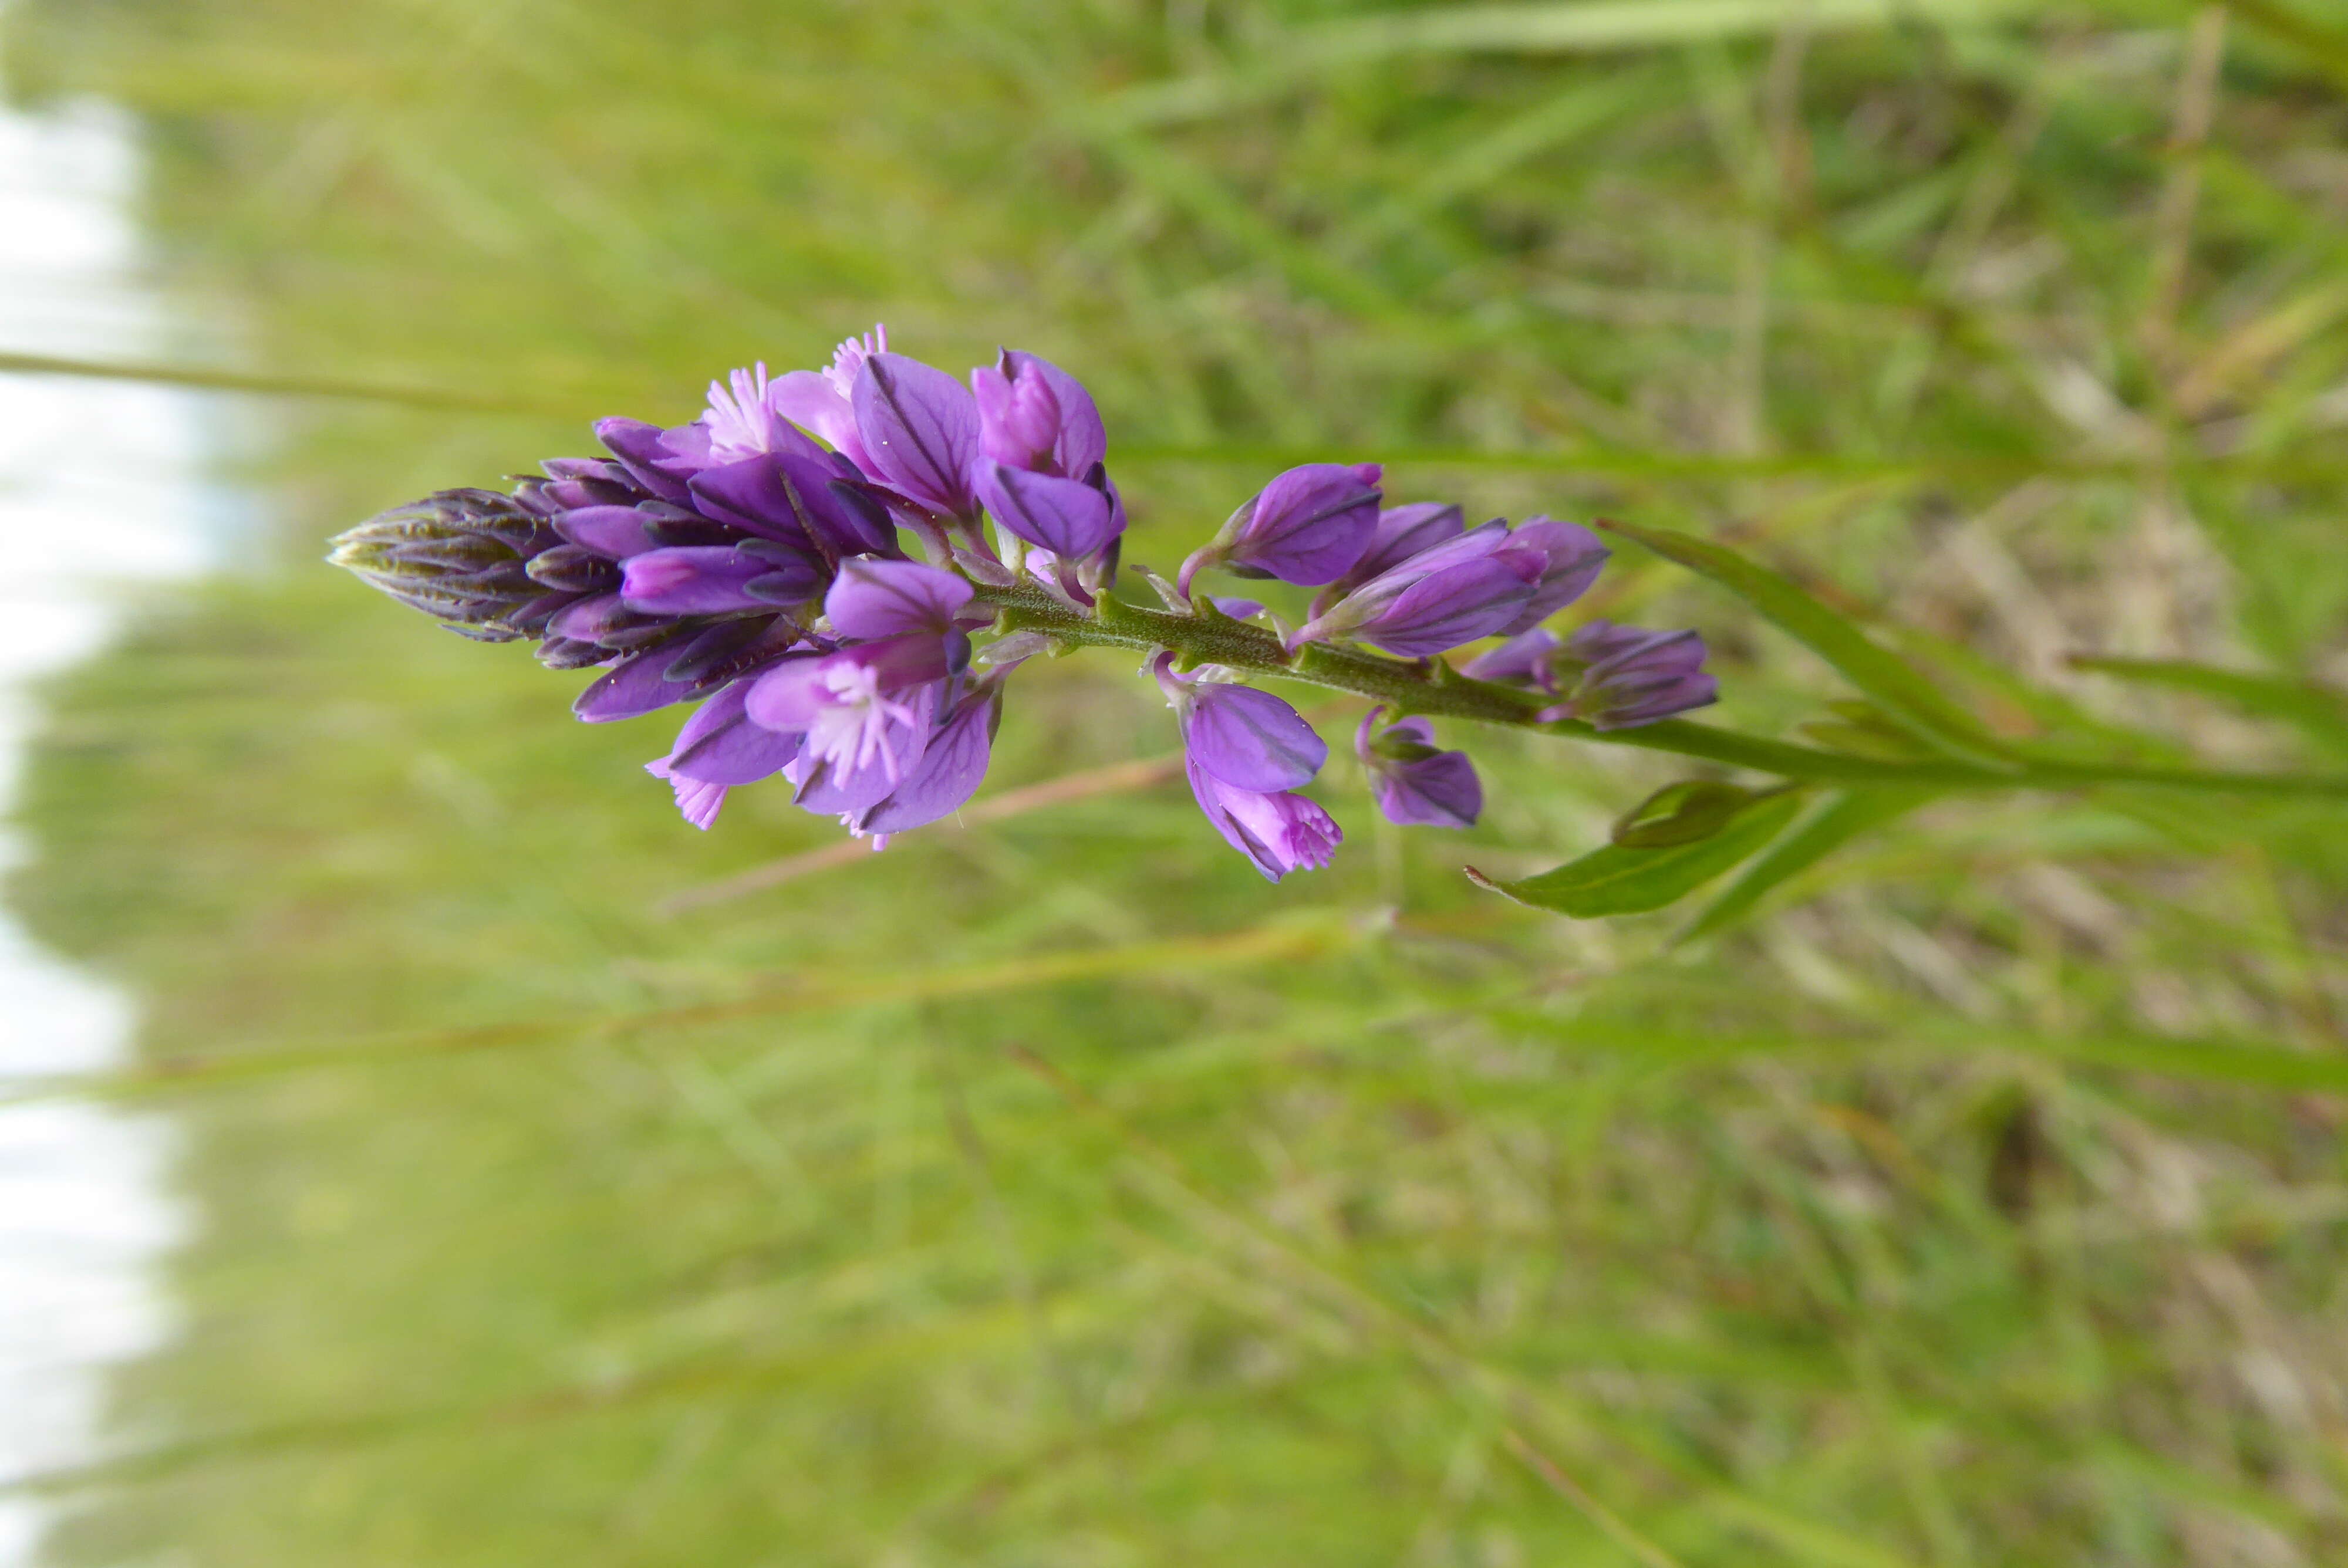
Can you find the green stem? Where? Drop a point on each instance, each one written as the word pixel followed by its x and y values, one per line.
pixel 1433 688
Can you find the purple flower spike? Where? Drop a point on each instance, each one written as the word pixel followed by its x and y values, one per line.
pixel 1570 555
pixel 1249 739
pixel 716 579
pixel 876 599
pixel 1415 784
pixel 1279 832
pixel 1308 526
pixel 1636 678
pixel 1529 659
pixel 920 430
pixel 1066 516
pixel 1033 415
pixel 823 400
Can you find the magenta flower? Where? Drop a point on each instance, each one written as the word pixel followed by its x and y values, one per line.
pixel 742 421
pixel 920 430
pixel 1459 590
pixel 876 599
pixel 952 765
pixel 823 400
pixel 1245 737
pixel 1633 676
pixel 862 715
pixel 1039 473
pixel 1033 415
pixel 1571 559
pixel 1068 517
pixel 1308 526
pixel 1415 784
pixel 712 579
pixel 1279 831
pixel 1529 659
pixel 1401 533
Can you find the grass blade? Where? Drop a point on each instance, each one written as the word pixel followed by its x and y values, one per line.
pixel 1875 670
pixel 2321 712
pixel 1844 818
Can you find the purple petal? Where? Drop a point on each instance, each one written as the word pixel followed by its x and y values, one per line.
pixel 757 494
pixel 798 692
pixel 720 745
pixel 1595 641
pixel 602 618
pixel 631 687
pixel 1250 739
pixel 1310 524
pixel 1440 790
pixel 641 450
pixel 712 579
pixel 1526 660
pixel 829 791
pixel 1403 532
pixel 948 773
pixel 697 801
pixel 686 450
pixel 808 399
pixel 1018 417
pixel 876 599
pixel 1571 557
pixel 1278 832
pixel 1454 605
pixel 920 429
pixel 612 532
pixel 1034 414
pixel 1066 516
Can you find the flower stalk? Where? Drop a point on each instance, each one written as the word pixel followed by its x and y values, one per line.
pixel 1432 687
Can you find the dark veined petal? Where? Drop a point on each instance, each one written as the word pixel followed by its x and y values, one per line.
pixel 920 430
pixel 876 599
pixel 1068 517
pixel 1250 739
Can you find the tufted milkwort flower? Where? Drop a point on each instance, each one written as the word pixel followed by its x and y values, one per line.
pixel 1612 677
pixel 808 561
pixel 1415 784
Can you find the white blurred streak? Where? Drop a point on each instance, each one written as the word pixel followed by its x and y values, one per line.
pixel 102 492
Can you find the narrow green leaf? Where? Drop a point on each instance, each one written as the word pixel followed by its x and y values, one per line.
pixel 2318 711
pixel 1844 815
pixel 1897 686
pixel 1680 813
pixel 2248 1064
pixel 1619 881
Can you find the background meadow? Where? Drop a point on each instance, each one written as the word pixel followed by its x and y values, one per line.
pixel 1051 1191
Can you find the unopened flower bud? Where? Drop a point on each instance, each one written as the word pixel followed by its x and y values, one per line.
pixel 459 556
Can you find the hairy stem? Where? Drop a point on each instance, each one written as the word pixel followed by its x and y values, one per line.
pixel 1206 636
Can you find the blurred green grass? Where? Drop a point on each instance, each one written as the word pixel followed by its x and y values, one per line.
pixel 1272 1225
